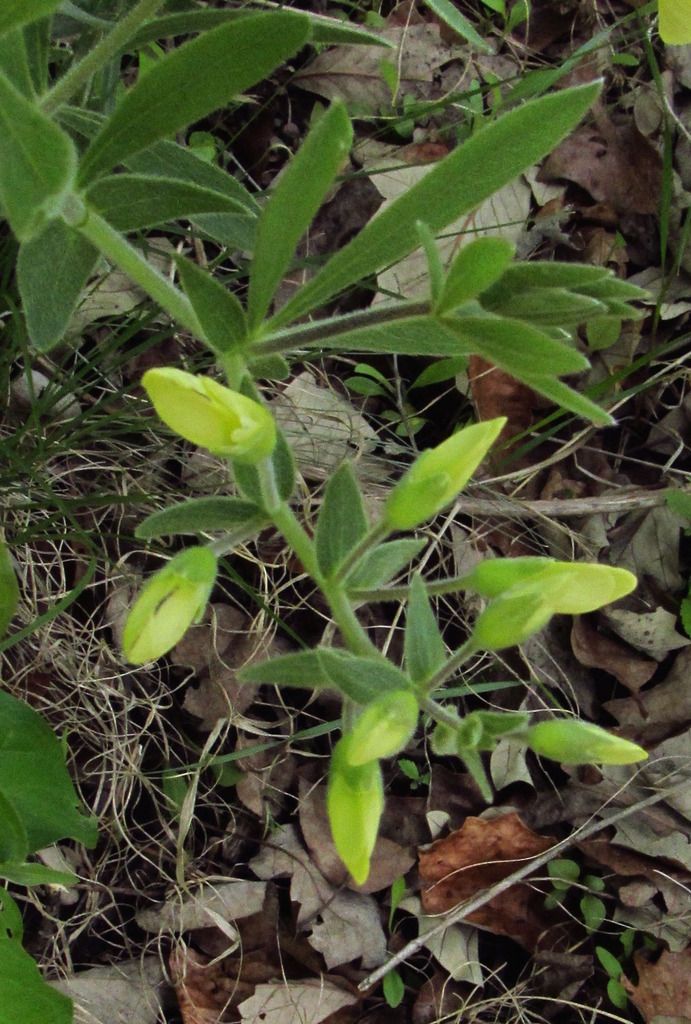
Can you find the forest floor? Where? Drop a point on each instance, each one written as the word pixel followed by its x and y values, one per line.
pixel 215 893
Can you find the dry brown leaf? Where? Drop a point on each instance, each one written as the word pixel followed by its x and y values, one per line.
pixel 664 987
pixel 309 1002
pixel 661 710
pixel 476 856
pixel 389 859
pixel 617 166
pixel 342 925
pixel 497 393
pixel 209 990
pixel 595 650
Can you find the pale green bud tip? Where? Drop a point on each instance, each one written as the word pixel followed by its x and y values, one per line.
pixel 384 728
pixel 436 477
pixel 571 741
pixel 510 620
pixel 569 588
pixel 205 412
pixel 168 605
pixel 354 803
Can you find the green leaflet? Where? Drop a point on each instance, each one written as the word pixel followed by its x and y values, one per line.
pixel 174 93
pixel 38 163
pixel 456 185
pixel 218 310
pixel 292 204
pixel 424 649
pixel 342 520
pixel 9 589
pixel 33 770
pixel 199 515
pixel 132 201
pixel 15 13
pixel 52 270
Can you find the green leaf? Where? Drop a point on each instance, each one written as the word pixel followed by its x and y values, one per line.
pixel 324 30
pixel 392 985
pixel 515 346
pixel 603 332
pixel 292 204
pixel 21 12
pixel 360 678
pixel 456 185
pixel 617 994
pixel 609 962
pixel 685 614
pixel 38 163
pixel 11 923
pixel 384 562
pixel 218 310
pixel 52 271
pixel 424 648
pixel 247 477
pixel 452 17
pixel 548 307
pixel 37 42
pixel 26 998
pixel 563 872
pixel 342 520
pixel 9 589
pixel 594 912
pixel 34 775
pixel 14 843
pixel 439 371
pixel 302 669
pixel 679 502
pixel 561 394
pixel 169 160
pixel 34 874
pixel 546 274
pixel 199 515
pixel 476 267
pixel 132 201
pixel 190 82
pixel 14 62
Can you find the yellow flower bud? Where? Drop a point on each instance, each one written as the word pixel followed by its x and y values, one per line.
pixel 354 802
pixel 571 741
pixel 211 415
pixel 383 728
pixel 168 605
pixel 436 477
pixel 510 619
pixel 675 21
pixel 569 588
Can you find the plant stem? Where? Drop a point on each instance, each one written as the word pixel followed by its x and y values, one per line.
pixel 464 652
pixel 316 333
pixel 113 245
pixel 440 713
pixel 103 52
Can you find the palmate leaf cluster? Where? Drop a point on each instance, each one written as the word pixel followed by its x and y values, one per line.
pixel 75 180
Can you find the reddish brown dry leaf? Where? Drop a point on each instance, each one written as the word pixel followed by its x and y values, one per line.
pixel 617 166
pixel 497 393
pixel 439 997
pixel 476 856
pixel 595 650
pixel 208 992
pixel 662 710
pixel 389 859
pixel 664 988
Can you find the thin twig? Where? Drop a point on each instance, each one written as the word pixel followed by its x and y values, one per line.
pixel 462 911
pixel 557 508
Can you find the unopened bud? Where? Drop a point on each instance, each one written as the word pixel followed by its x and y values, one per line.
pixel 354 802
pixel 384 727
pixel 571 741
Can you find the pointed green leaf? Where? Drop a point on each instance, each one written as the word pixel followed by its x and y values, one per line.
pixel 609 962
pixel 456 185
pixel 218 310
pixel 548 307
pixel 292 204
pixel 547 274
pixel 52 271
pixel 362 679
pixel 302 669
pixel 14 843
pixel 14 13
pixel 516 347
pixel 477 266
pixel 34 874
pixel 33 771
pixel 37 41
pixel 26 997
pixel 342 520
pixel 450 15
pixel 561 394
pixel 324 30
pixel 190 82
pixel 9 589
pixel 383 563
pixel 423 646
pixel 38 163
pixel 11 923
pixel 14 62
pixel 199 515
pixel 132 201
pixel 393 986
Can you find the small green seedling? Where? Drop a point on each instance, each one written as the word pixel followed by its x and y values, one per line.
pixel 565 875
